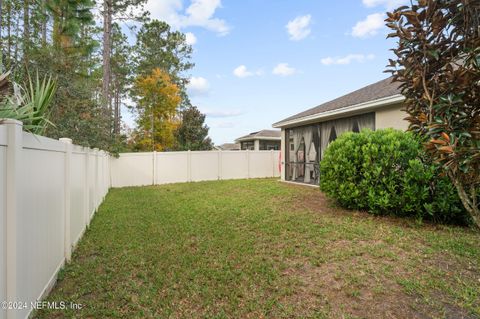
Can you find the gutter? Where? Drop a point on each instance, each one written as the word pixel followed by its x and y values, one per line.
pixel 356 108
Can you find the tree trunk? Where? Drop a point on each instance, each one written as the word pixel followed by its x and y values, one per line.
pixel 56 30
pixel 26 28
pixel 469 202
pixel 9 33
pixel 117 106
pixel 44 23
pixel 17 31
pixel 107 29
pixel 1 18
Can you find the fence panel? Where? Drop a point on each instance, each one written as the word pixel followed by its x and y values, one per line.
pixel 132 169
pixel 235 164
pixel 40 221
pixel 77 195
pixel 204 166
pixel 135 169
pixel 261 164
pixel 91 184
pixel 45 207
pixel 171 167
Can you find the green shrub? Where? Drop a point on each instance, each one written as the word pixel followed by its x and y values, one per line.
pixel 385 172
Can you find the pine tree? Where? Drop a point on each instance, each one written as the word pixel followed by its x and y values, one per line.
pixel 192 134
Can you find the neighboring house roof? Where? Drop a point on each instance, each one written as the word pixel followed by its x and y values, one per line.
pixel 228 147
pixel 261 135
pixel 384 92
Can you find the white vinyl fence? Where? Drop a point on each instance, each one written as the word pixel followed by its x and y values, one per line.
pixel 49 191
pixel 154 168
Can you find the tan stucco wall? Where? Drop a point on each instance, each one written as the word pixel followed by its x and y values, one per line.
pixel 282 150
pixel 391 117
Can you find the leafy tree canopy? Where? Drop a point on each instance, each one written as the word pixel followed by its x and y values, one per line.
pixel 438 65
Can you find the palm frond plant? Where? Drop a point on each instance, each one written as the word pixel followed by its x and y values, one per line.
pixel 30 104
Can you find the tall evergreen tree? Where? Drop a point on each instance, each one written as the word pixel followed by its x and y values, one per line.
pixel 192 134
pixel 115 10
pixel 121 74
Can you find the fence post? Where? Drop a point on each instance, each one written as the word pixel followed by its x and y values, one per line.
pixel 154 167
pixel 248 163
pixel 273 163
pixel 189 166
pixel 95 188
pixel 87 187
pixel 13 169
pixel 109 165
pixel 67 248
pixel 220 158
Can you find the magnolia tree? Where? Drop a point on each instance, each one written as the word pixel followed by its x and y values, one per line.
pixel 438 66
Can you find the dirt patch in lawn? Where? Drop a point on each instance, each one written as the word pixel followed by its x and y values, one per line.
pixel 338 288
pixel 314 200
pixel 374 277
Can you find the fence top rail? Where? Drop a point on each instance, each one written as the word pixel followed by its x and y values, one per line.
pixel 42 143
pixel 195 152
pixel 3 135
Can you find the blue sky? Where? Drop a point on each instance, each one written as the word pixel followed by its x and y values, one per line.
pixel 257 62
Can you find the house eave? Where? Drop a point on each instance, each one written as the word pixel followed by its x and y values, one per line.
pixel 263 138
pixel 344 111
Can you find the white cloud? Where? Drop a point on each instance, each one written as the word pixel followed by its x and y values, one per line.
pixel 299 28
pixel 198 86
pixel 347 59
pixel 283 69
pixel 388 4
pixel 242 72
pixel 222 113
pixel 190 38
pixel 369 27
pixel 200 13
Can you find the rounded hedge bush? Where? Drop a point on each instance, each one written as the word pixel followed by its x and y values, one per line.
pixel 386 172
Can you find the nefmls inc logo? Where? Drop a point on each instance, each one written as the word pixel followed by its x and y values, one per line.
pixel 55 305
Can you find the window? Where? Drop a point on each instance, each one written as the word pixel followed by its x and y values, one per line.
pixel 333 135
pixel 355 128
pixel 269 145
pixel 248 146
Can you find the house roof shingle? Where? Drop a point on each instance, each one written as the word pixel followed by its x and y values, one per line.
pixel 260 134
pixel 375 91
pixel 229 147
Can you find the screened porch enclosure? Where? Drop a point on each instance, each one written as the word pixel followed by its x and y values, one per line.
pixel 306 145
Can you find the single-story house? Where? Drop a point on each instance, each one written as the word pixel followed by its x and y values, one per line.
pixel 263 140
pixel 228 147
pixel 306 135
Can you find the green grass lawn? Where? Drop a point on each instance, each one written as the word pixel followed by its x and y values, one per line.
pixel 261 248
